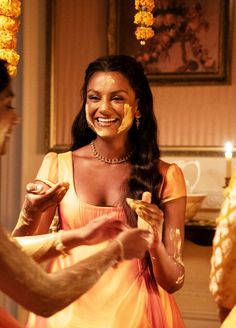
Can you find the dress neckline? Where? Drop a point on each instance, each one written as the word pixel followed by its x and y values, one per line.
pixel 85 204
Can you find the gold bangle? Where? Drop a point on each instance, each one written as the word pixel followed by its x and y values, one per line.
pixel 59 246
pixel 122 253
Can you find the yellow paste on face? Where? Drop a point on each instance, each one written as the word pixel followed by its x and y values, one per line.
pixel 126 123
pixel 127 119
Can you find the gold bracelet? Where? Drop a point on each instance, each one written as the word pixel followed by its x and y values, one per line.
pixel 122 253
pixel 59 246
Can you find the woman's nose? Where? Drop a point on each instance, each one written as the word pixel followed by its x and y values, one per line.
pixel 105 105
pixel 15 118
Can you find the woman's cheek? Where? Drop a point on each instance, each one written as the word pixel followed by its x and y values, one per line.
pixel 99 132
pixel 127 119
pixel 88 117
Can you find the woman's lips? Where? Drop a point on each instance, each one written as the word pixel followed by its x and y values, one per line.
pixel 105 121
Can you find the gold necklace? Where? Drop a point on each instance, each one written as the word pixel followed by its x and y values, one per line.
pixel 117 160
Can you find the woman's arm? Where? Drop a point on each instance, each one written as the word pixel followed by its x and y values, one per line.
pixel 166 255
pixel 24 280
pixel 168 229
pixel 43 247
pixel 39 207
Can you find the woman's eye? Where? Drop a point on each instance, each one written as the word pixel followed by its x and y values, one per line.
pixel 117 98
pixel 93 97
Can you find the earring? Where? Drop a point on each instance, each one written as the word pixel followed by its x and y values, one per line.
pixel 137 122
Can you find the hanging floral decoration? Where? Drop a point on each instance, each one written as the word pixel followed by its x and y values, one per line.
pixel 9 24
pixel 144 20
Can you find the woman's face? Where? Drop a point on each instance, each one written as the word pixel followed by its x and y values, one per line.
pixel 111 104
pixel 8 117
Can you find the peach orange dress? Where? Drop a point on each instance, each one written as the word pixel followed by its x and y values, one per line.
pixel 124 297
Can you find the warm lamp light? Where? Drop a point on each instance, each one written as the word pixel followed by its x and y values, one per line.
pixel 228 158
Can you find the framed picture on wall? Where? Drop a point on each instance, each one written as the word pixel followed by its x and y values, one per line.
pixel 191 44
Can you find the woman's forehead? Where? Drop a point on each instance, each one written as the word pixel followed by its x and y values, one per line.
pixel 108 79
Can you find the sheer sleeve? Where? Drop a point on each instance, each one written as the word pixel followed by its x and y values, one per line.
pixel 28 284
pixel 173 183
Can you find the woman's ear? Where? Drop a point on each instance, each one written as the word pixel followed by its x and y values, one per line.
pixel 137 114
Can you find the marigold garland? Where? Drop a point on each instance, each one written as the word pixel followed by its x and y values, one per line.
pixel 9 25
pixel 144 20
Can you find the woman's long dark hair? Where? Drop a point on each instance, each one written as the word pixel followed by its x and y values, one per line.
pixel 4 75
pixel 145 175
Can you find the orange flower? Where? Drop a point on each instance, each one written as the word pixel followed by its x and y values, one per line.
pixel 144 19
pixel 9 24
pixel 144 5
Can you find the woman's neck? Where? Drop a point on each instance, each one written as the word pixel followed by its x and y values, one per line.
pixel 112 148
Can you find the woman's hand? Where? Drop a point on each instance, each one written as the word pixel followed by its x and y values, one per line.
pixel 103 228
pixel 135 242
pixel 150 213
pixel 40 197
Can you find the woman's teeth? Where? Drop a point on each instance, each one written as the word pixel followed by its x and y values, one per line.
pixel 106 120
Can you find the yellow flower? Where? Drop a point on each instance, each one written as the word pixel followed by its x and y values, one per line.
pixel 9 24
pixel 7 40
pixel 143 18
pixel 12 59
pixel 144 33
pixel 144 5
pixel 10 8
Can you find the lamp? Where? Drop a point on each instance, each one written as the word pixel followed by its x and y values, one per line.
pixel 228 158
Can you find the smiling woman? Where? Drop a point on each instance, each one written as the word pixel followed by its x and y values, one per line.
pixel 114 162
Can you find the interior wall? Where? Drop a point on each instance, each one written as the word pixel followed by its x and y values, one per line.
pixel 166 98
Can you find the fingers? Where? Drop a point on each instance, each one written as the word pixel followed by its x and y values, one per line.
pixel 136 203
pixel 59 187
pixel 135 242
pixel 106 217
pixel 38 199
pixel 147 197
pixel 34 188
pixel 40 189
pixel 148 236
pixel 109 228
pixel 143 208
